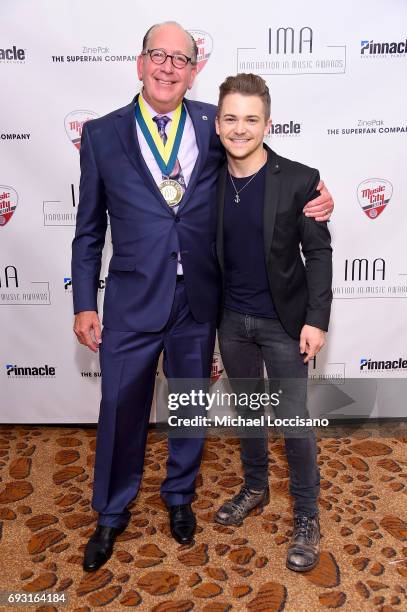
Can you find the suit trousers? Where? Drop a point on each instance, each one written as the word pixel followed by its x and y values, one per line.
pixel 129 364
pixel 247 343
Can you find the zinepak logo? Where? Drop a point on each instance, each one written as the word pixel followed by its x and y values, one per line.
pixel 288 50
pixel 374 194
pixel 372 49
pixel 74 123
pixel 204 43
pixel 92 55
pixel 8 203
pixel 19 371
pixel 361 127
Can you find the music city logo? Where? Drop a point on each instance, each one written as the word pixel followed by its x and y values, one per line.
pixel 204 43
pixel 8 203
pixel 289 50
pixel 374 195
pixel 74 124
pixel 217 367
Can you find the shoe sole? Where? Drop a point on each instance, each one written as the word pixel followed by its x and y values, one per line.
pixel 227 522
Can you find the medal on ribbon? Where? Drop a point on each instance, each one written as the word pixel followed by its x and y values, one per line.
pixel 164 154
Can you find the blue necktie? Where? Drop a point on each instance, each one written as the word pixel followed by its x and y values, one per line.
pixel 176 172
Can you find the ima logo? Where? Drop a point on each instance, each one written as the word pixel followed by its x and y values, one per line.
pixel 217 367
pixel 365 269
pixel 288 41
pixel 74 124
pixel 374 194
pixel 8 203
pixel 204 43
pixel 9 278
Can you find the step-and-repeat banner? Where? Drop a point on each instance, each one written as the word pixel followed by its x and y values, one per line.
pixel 337 76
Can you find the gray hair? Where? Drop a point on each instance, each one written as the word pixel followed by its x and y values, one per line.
pixel 194 47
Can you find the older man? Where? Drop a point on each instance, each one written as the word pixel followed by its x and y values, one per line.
pixel 152 165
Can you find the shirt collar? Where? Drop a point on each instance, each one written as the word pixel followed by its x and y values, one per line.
pixel 152 112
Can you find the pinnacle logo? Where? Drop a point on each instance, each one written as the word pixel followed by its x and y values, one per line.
pixel 8 204
pixel 74 123
pixel 204 43
pixel 12 55
pixel 370 365
pixel 16 371
pixel 290 128
pixel 372 48
pixel 374 195
pixel 68 284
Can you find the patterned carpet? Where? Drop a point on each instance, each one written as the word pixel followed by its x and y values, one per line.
pixel 46 518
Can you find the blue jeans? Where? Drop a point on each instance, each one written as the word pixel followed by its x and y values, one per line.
pixel 247 343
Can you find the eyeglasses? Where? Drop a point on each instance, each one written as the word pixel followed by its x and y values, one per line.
pixel 159 56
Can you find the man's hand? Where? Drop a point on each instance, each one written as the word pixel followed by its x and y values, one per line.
pixel 312 339
pixel 321 207
pixel 87 329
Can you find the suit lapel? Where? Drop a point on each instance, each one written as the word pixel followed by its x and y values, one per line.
pixel 221 186
pixel 125 123
pixel 271 198
pixel 202 134
pixel 126 127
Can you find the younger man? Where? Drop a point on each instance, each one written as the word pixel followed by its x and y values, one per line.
pixel 275 307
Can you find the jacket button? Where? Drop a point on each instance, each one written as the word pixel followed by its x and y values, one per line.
pixel 174 255
pixel 177 219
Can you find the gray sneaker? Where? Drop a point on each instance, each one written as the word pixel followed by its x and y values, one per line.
pixel 303 552
pixel 236 509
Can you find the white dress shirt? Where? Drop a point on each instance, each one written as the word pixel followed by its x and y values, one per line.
pixel 187 154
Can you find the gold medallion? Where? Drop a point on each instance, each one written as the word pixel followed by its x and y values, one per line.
pixel 171 191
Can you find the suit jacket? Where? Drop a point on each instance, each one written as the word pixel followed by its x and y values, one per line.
pixel 146 234
pixel 301 292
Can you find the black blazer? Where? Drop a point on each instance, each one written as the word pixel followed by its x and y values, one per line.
pixel 301 293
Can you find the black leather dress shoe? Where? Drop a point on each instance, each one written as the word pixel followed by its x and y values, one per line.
pixel 182 523
pixel 100 547
pixel 303 552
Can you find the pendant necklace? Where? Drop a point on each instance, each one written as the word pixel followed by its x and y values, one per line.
pixel 237 197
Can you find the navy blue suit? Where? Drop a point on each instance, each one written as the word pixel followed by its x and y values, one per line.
pixel 145 309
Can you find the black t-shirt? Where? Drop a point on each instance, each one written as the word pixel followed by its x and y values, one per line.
pixel 246 284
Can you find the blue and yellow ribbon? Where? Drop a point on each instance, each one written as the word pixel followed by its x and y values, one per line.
pixel 165 155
